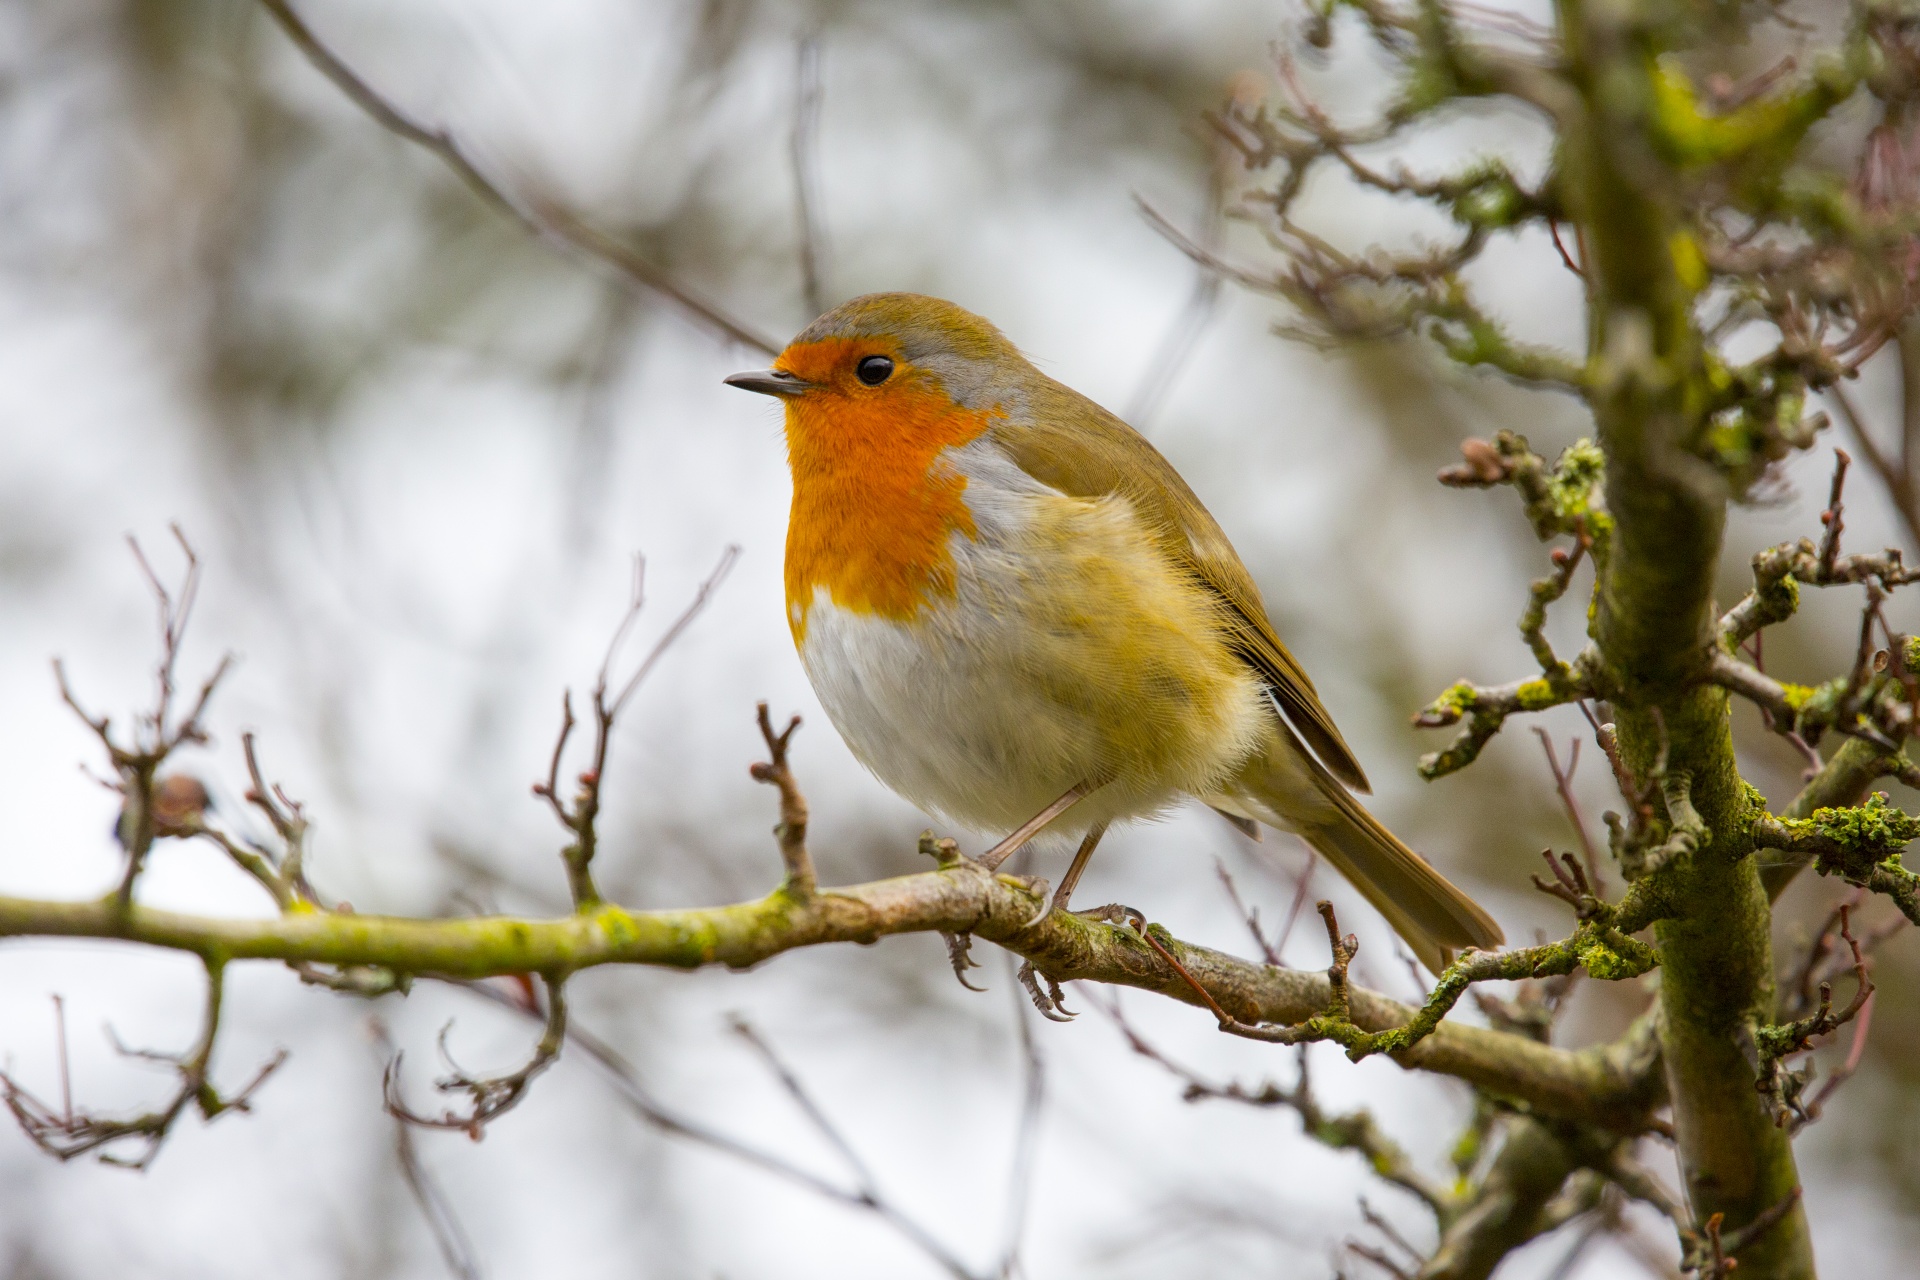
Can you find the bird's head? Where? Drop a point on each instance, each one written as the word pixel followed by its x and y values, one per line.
pixel 876 392
pixel 893 366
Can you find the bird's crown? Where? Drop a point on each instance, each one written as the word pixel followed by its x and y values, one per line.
pixel 972 361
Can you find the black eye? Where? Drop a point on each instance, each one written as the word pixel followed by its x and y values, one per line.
pixel 873 370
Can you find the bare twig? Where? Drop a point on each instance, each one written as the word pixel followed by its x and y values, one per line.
pixel 145 815
pixel 1357 1131
pixel 581 815
pixel 1026 1142
pixel 640 1100
pixel 1251 915
pixel 67 1133
pixel 792 831
pixel 489 1096
pixel 1563 784
pixel 449 1236
pixel 1832 518
pixel 1895 474
pixel 1767 1047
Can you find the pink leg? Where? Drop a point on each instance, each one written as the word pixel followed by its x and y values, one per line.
pixel 1032 827
pixel 1080 860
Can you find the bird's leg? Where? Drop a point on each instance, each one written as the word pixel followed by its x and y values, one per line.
pixel 1080 859
pixel 1032 827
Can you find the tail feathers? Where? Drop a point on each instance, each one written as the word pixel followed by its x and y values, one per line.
pixel 1428 911
pixel 1423 906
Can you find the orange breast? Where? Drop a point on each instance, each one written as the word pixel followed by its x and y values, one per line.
pixel 873 515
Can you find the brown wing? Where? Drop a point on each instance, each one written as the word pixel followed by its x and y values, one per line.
pixel 1068 442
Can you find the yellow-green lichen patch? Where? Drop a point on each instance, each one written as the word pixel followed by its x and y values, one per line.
pixel 1537 695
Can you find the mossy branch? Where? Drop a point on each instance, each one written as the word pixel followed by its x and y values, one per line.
pixel 1600 944
pixel 1560 500
pixel 1861 844
pixel 961 897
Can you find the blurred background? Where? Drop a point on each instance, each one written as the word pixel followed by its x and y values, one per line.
pixel 417 448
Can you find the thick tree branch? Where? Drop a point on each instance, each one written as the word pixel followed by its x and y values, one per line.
pixel 1603 1086
pixel 1655 620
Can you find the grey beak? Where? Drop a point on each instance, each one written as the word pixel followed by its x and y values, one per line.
pixel 769 382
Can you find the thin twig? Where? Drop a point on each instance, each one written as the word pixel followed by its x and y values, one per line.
pixel 862 1175
pixel 1250 915
pixel 627 1083
pixel 1895 476
pixel 1177 345
pixel 1026 1142
pixel 449 1235
pixel 489 1097
pixel 580 816
pixel 1563 783
pixel 67 1134
pixel 792 831
pixel 1357 1131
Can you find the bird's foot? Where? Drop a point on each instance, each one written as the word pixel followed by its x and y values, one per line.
pixel 960 956
pixel 1038 886
pixel 1112 913
pixel 1052 1002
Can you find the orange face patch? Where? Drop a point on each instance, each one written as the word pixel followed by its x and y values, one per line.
pixel 872 515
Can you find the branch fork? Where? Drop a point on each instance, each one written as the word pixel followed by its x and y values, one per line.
pixel 792 829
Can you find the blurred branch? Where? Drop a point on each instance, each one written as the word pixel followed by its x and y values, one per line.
pixel 456 1247
pixel 544 218
pixel 1355 1131
pixel 801 146
pixel 1522 1195
pixel 489 1096
pixel 67 1133
pixel 866 1197
pixel 1353 299
pixel 1176 346
pixel 1026 1141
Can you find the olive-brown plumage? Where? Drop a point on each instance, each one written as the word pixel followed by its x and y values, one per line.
pixel 1011 604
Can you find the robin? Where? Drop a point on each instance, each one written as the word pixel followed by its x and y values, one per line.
pixel 1021 619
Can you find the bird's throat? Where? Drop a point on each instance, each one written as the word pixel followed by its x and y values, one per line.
pixel 874 506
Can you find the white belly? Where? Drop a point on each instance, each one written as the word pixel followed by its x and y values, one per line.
pixel 1070 653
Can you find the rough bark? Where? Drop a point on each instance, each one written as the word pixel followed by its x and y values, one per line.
pixel 1654 624
pixel 1611 1086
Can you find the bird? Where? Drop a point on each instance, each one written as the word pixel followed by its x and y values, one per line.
pixel 1021 619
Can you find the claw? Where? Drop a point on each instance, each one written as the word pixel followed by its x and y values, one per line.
pixel 1039 885
pixel 1049 1005
pixel 960 956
